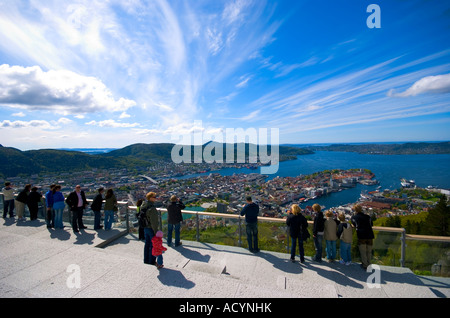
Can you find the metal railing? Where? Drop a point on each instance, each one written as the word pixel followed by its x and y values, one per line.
pixel 390 234
pixel 395 244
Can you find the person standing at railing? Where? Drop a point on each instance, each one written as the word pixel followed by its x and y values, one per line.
pixel 251 212
pixel 96 207
pixel 363 224
pixel 8 200
pixel 330 236
pixel 50 217
pixel 77 203
pixel 110 208
pixel 151 226
pixel 174 219
pixel 20 202
pixel 33 200
pixel 297 226
pixel 58 206
pixel 318 230
pixel 345 234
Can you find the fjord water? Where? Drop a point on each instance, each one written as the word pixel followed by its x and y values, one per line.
pixel 388 169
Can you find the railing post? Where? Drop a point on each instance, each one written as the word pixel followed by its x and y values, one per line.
pixel 3 202
pixel 240 233
pixel 198 227
pixel 287 239
pixel 403 248
pixel 127 218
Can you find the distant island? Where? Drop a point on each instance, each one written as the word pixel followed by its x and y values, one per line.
pixel 409 148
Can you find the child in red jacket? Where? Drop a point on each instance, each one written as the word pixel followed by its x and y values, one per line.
pixel 158 249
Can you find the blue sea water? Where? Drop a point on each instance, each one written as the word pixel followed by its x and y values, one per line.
pixel 388 169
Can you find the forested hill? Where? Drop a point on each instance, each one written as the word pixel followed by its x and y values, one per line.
pixel 409 148
pixel 14 161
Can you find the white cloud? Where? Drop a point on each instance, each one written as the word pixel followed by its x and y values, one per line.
pixel 439 84
pixel 251 116
pixel 42 124
pixel 124 115
pixel 62 91
pixel 111 124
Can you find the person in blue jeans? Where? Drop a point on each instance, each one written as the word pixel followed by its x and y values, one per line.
pixel 58 207
pixel 96 207
pixel 110 208
pixel 330 236
pixel 174 219
pixel 345 234
pixel 251 211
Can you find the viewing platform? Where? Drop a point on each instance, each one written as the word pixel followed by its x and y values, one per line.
pixel 41 262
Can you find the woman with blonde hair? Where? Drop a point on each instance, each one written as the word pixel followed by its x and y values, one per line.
pixel 330 236
pixel 298 225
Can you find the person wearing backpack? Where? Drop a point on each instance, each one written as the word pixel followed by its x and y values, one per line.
pixel 151 226
pixel 345 234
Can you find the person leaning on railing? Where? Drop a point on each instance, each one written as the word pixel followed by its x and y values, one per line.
pixel 251 211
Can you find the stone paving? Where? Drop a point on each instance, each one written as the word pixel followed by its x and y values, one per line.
pixel 41 262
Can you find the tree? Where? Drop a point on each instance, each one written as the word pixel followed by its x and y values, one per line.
pixel 438 219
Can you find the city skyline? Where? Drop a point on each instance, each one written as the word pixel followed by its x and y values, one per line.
pixel 111 74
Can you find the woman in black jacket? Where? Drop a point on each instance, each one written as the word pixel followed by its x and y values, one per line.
pixel 96 206
pixel 174 219
pixel 318 231
pixel 298 228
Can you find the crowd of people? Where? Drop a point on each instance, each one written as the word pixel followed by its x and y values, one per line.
pixel 55 203
pixel 325 227
pixel 328 229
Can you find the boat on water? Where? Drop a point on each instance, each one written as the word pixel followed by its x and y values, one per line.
pixel 364 196
pixel 407 183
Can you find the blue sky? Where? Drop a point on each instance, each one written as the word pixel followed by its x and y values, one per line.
pixel 113 73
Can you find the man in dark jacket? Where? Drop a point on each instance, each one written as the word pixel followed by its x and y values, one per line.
pixel 77 203
pixel 318 230
pixel 96 206
pixel 363 224
pixel 174 219
pixel 251 211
